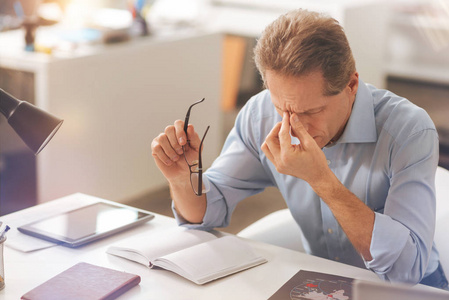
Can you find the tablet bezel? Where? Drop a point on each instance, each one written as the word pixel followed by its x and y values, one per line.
pixel 29 229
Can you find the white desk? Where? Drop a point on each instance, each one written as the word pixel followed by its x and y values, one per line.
pixel 24 271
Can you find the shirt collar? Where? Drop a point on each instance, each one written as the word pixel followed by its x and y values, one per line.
pixel 361 126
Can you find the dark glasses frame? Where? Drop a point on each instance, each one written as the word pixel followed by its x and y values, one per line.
pixel 196 167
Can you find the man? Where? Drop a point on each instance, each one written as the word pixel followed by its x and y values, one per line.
pixel 355 164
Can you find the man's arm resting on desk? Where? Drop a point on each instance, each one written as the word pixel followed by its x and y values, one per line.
pixel 403 235
pixel 408 231
pixel 355 218
pixel 308 162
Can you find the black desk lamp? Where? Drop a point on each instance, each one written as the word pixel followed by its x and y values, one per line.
pixel 34 126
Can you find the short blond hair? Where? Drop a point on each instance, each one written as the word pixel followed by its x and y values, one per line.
pixel 300 42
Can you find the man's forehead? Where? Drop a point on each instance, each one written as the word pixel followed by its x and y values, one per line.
pixel 304 92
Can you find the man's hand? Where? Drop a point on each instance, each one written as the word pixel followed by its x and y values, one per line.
pixel 305 160
pixel 168 154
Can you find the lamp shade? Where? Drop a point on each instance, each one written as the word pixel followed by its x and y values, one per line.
pixel 34 126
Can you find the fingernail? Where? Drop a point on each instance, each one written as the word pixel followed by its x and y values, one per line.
pixel 181 141
pixel 179 151
pixel 175 158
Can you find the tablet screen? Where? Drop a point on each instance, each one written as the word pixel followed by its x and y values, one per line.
pixel 84 224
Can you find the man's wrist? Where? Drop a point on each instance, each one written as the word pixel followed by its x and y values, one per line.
pixel 180 183
pixel 327 184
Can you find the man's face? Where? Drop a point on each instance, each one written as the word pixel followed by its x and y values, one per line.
pixel 324 117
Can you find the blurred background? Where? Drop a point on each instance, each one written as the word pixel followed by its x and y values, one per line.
pixel 119 71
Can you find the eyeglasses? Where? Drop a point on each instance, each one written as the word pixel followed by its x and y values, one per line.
pixel 195 167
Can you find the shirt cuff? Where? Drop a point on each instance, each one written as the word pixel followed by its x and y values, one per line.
pixel 388 241
pixel 215 210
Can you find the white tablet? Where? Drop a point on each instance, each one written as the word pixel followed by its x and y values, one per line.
pixel 86 224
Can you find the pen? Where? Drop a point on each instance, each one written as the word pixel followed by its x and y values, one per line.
pixel 4 231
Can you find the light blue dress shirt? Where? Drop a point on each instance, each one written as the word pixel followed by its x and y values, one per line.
pixel 387 156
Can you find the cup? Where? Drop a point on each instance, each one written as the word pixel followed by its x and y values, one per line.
pixel 2 265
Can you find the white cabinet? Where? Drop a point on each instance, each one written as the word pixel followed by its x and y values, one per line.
pixel 114 100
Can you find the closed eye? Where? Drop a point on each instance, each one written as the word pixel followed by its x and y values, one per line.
pixel 313 112
pixel 305 113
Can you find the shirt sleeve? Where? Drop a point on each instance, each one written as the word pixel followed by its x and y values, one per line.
pixel 402 238
pixel 236 174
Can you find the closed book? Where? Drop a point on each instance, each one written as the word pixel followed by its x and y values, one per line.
pixel 84 281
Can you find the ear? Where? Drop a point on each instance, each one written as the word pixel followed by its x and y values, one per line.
pixel 353 84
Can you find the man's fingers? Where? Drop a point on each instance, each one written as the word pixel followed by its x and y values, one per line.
pixel 284 133
pixel 193 137
pixel 181 137
pixel 162 150
pixel 267 152
pixel 300 131
pixel 172 136
pixel 272 140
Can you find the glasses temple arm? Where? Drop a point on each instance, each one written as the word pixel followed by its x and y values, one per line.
pixel 200 165
pixel 186 120
pixel 200 162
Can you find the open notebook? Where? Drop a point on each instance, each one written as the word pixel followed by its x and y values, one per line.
pixel 196 255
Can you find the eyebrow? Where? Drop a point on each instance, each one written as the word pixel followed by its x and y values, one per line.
pixel 304 112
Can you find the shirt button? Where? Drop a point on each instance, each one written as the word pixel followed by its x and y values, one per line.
pixel 330 231
pixel 328 162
